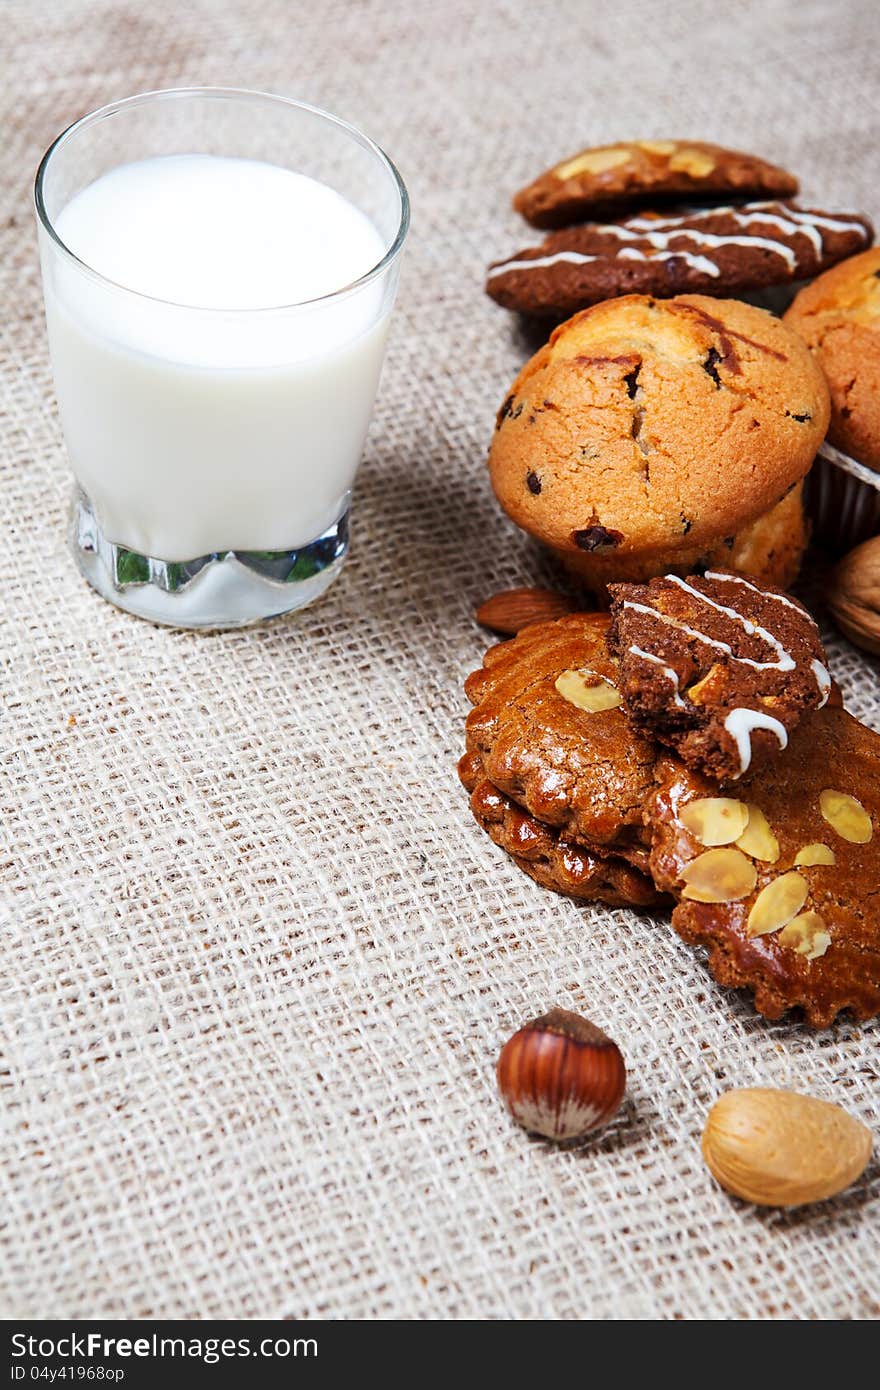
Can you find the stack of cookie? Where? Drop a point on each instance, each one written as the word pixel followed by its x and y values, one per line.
pixel 665 430
pixel 690 747
pixel 624 229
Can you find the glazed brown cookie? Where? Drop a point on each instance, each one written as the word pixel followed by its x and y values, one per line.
pixel 726 251
pixel 550 734
pixel 649 434
pixel 838 316
pixel 720 668
pixel 790 909
pixel 547 856
pixel 636 173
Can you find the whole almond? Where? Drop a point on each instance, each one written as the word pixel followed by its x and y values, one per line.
pixel 513 609
pixel 783 1149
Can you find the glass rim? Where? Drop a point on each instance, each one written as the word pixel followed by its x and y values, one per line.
pixel 236 93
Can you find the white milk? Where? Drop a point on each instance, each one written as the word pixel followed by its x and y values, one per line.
pixel 218 420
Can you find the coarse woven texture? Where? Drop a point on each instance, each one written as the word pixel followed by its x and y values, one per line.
pixel 258 960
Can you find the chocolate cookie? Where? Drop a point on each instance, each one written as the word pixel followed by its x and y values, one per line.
pixel 549 857
pixel 838 316
pixel 725 251
pixel 637 173
pixel 550 735
pixel 720 668
pixel 788 909
pixel 649 434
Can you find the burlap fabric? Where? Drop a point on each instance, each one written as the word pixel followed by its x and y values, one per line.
pixel 257 959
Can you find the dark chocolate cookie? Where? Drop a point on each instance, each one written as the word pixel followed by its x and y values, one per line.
pixel 721 251
pixel 635 173
pixel 720 667
pixel 789 908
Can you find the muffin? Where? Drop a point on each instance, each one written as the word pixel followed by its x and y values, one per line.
pixel 663 435
pixel 838 317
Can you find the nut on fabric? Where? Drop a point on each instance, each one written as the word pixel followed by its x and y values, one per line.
pixel 783 1149
pixel 560 1076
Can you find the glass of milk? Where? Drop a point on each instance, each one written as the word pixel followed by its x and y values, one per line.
pixel 219 268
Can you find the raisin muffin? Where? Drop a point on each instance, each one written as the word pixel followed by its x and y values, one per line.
pixel 838 317
pixel 658 435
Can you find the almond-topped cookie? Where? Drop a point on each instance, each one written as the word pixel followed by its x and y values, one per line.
pixel 725 251
pixel 718 666
pixel 780 881
pixel 634 173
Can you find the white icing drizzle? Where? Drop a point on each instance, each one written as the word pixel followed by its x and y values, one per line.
pixel 742 723
pixel 682 627
pixel 793 221
pixel 667 671
pixel 747 211
pixel 762 593
pixel 632 253
pixel 574 257
pixel 834 224
pixel 660 240
pixel 784 660
pixel 785 224
pixel 821 673
pixel 823 680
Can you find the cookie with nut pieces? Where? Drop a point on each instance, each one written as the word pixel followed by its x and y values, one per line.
pixel 725 251
pixel 635 173
pixel 780 882
pixel 717 666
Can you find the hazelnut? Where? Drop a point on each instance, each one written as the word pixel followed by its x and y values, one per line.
pixel 854 595
pixel 561 1076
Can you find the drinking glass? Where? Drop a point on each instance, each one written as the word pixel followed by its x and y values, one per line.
pixel 214 449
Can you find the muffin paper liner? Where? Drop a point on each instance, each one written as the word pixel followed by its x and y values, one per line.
pixel 842 497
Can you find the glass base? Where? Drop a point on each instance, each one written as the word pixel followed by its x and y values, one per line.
pixel 227 589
